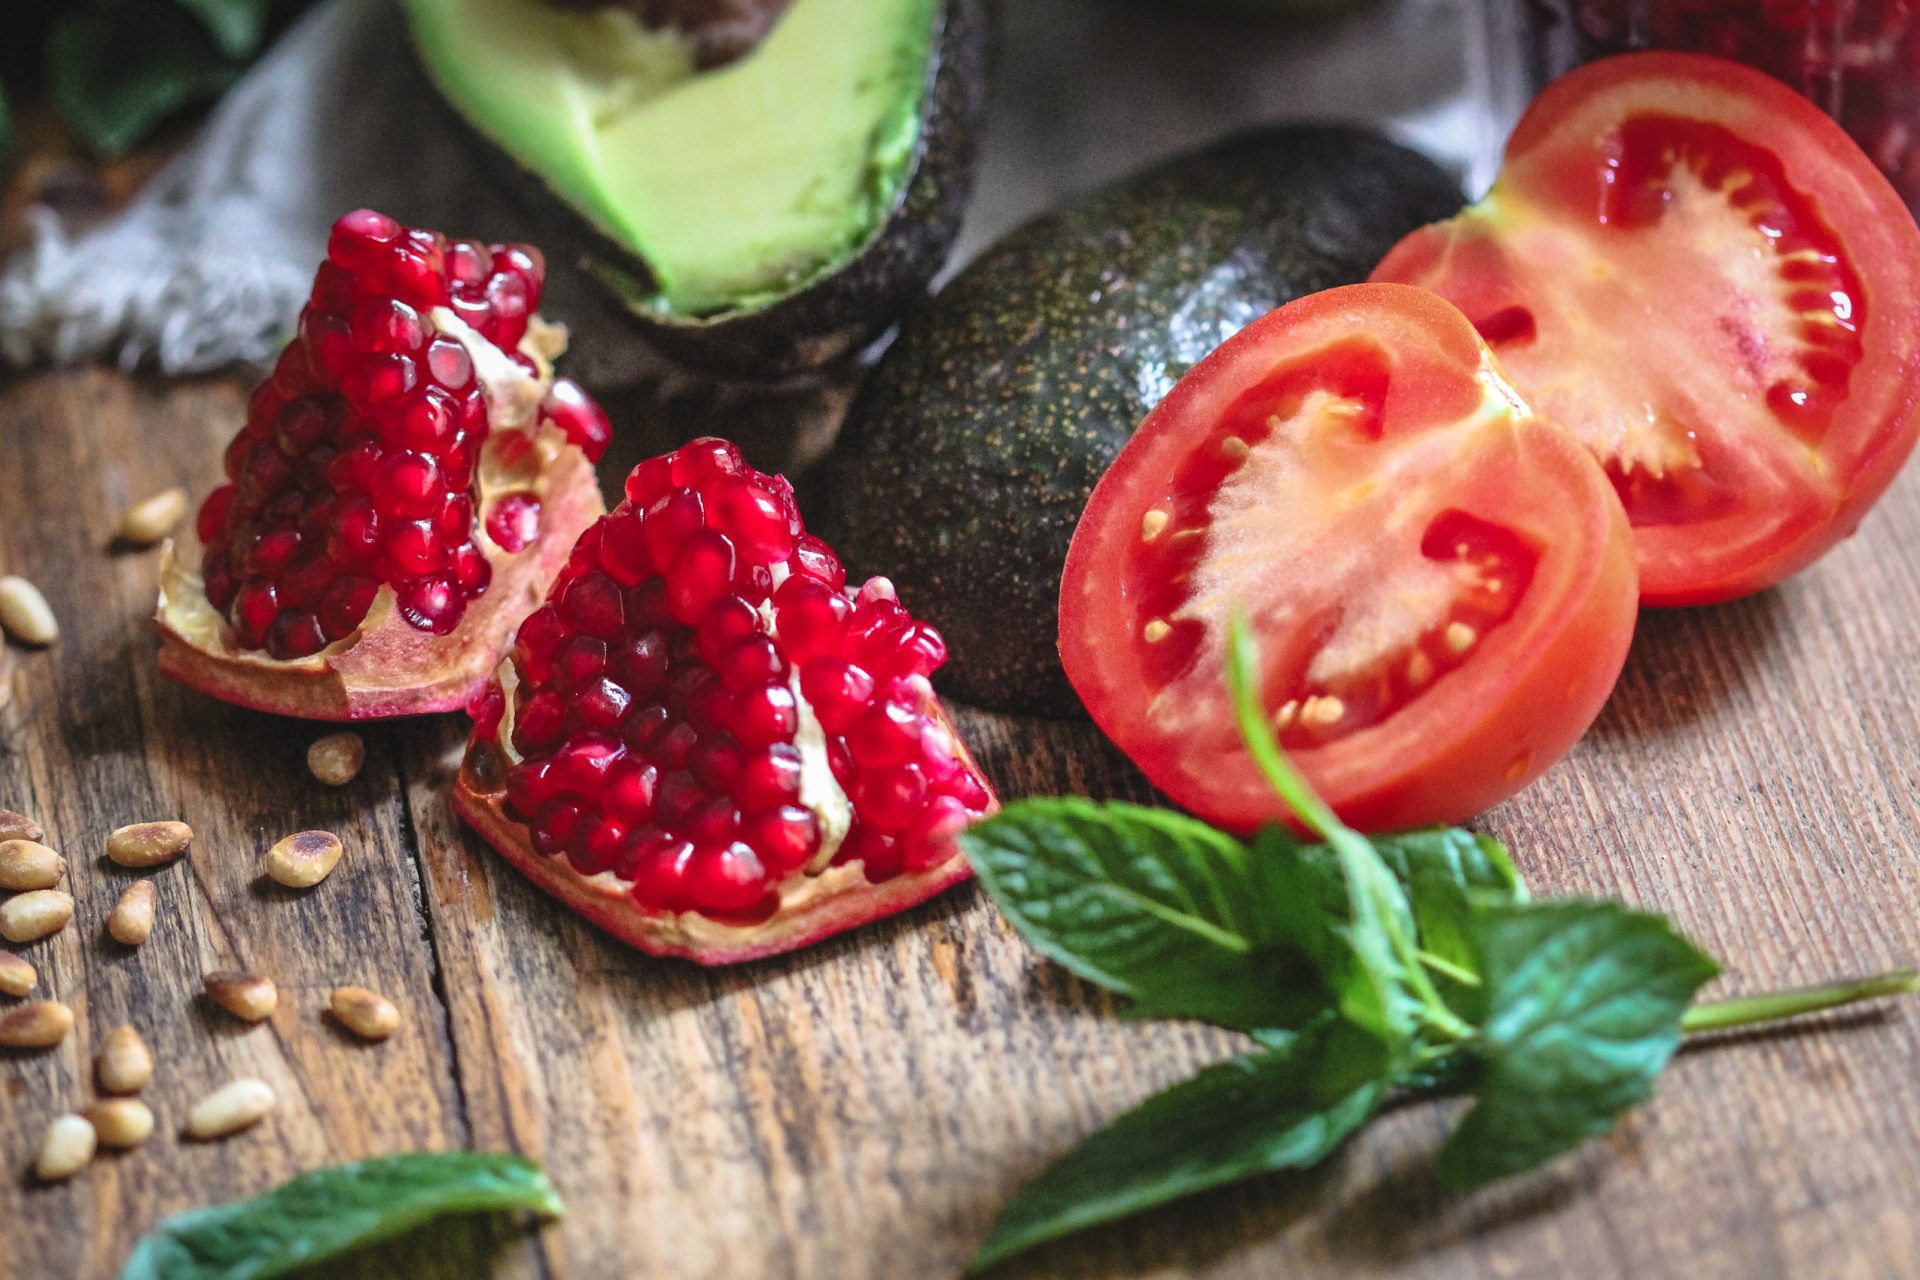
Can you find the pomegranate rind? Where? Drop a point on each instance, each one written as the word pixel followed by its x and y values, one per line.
pixel 812 907
pixel 387 668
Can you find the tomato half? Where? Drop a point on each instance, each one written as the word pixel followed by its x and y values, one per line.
pixel 1441 581
pixel 1698 273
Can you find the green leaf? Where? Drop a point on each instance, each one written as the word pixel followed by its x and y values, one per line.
pixel 1147 903
pixel 235 25
pixel 324 1213
pixel 1287 1108
pixel 116 76
pixel 1583 1002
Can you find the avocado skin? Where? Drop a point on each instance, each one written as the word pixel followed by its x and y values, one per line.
pixel 839 313
pixel 967 459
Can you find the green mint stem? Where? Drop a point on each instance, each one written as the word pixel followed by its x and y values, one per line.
pixel 1441 965
pixel 1747 1011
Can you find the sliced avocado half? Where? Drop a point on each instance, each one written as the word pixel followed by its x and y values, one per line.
pixel 710 195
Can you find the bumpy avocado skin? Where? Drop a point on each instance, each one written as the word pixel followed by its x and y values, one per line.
pixel 967 459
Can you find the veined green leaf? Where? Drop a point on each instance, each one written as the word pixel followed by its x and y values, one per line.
pixel 1583 1002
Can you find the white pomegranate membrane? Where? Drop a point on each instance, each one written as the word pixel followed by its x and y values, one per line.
pixel 356 468
pixel 704 712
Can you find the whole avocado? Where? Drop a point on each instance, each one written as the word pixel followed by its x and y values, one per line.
pixel 967 459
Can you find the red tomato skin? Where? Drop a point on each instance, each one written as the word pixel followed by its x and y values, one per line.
pixel 1463 260
pixel 1435 760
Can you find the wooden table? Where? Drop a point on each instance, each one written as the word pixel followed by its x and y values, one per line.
pixel 863 1109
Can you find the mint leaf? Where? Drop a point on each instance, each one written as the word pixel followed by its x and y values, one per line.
pixel 1287 1108
pixel 116 76
pixel 324 1213
pixel 1582 1004
pixel 1147 903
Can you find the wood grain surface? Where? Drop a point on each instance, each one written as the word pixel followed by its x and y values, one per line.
pixel 862 1109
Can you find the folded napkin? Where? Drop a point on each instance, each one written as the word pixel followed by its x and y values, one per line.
pixel 209 265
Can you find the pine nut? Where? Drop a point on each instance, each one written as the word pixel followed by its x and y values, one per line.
pixel 24 612
pixel 16 975
pixel 148 521
pixel 131 919
pixel 336 759
pixel 18 826
pixel 40 1025
pixel 66 1150
pixel 247 996
pixel 28 864
pixel 303 859
pixel 148 844
pixel 126 1064
pixel 230 1108
pixel 121 1123
pixel 367 1014
pixel 30 917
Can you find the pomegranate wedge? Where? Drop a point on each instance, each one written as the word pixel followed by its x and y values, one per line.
pixel 405 486
pixel 708 746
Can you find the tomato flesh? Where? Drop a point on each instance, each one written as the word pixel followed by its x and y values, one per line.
pixel 1441 581
pixel 1695 271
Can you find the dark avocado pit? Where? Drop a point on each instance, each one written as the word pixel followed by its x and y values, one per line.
pixel 763 184
pixel 967 459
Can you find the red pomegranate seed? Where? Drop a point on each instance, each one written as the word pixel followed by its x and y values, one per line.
pixel 583 422
pixel 514 522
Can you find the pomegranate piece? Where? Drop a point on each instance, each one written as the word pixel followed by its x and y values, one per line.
pixel 411 458
pixel 708 745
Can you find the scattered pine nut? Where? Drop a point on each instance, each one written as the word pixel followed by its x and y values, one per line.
pixel 246 996
pixel 230 1108
pixel 18 826
pixel 148 844
pixel 126 1064
pixel 367 1014
pixel 131 919
pixel 303 859
pixel 336 758
pixel 16 975
pixel 40 1025
pixel 24 612
pixel 28 864
pixel 121 1123
pixel 29 917
pixel 149 520
pixel 66 1150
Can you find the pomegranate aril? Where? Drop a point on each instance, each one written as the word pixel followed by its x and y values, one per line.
pixel 727 880
pixel 593 604
pixel 700 574
pixel 432 605
pixel 387 326
pixel 642 665
pixel 716 762
pixel 717 822
pixel 888 734
pixel 623 550
pixel 813 558
pixel 765 716
pixel 786 837
pixel 360 239
pixel 889 799
pixel 933 838
pixel 413 548
pixel 380 379
pixel 649 482
pixel 660 868
pixel 753 661
pixel 770 780
pixel 514 522
pixel 407 485
pixel 837 691
pixel 754 519
pixel 345 606
pixel 582 421
pixel 812 618
pixel 600 705
pixel 468 263
pixel 670 522
pixel 539 723
pixel 629 790
pixel 702 461
pixel 727 621
pixel 449 365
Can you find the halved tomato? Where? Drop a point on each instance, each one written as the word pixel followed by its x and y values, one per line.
pixel 1441 581
pixel 1699 274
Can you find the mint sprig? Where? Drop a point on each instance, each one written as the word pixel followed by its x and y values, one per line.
pixel 1412 964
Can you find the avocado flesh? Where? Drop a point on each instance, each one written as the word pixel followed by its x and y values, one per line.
pixel 733 187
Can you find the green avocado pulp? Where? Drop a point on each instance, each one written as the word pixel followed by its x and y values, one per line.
pixel 734 186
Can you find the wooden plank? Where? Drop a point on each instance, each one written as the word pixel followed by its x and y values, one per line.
pixel 94 737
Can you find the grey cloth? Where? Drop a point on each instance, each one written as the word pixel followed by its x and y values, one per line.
pixel 210 263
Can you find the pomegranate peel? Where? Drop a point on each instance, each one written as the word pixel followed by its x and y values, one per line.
pixel 705 743
pixel 405 485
